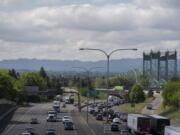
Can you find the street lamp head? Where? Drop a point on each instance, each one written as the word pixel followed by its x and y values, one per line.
pixel 134 49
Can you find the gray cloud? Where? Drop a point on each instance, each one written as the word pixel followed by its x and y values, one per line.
pixel 56 29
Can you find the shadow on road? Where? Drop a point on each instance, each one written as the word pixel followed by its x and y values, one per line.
pixel 4 122
pixel 18 122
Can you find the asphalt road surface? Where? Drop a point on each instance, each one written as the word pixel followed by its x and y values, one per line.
pixel 156 103
pixel 23 115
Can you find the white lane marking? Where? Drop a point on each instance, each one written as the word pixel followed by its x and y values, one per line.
pixel 20 119
pixel 69 113
pixel 92 131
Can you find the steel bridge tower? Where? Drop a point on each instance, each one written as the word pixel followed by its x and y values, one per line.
pixel 160 65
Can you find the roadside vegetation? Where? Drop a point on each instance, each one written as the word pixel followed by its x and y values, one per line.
pixel 12 84
pixel 171 101
pixel 134 108
pixel 173 113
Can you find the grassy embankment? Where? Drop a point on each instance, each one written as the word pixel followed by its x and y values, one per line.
pixel 170 112
pixel 127 108
pixel 102 96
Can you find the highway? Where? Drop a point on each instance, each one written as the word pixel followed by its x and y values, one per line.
pixel 156 103
pixel 23 115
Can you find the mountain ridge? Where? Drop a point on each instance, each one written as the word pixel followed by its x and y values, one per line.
pixel 116 65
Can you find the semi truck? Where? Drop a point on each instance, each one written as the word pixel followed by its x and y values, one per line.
pixel 138 123
pixel 172 130
pixel 158 124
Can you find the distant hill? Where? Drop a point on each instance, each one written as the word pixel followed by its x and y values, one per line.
pixel 122 65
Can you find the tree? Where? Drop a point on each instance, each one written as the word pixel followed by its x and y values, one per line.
pixel 121 80
pixel 100 83
pixel 34 79
pixel 145 81
pixel 136 94
pixel 13 73
pixel 43 73
pixel 171 93
pixel 7 89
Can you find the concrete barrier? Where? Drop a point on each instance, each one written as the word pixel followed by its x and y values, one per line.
pixel 6 113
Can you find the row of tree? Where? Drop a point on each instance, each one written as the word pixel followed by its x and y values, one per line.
pixel 171 93
pixel 12 83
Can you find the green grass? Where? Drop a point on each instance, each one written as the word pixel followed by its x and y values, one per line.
pixel 137 109
pixel 82 98
pixel 102 96
pixel 170 112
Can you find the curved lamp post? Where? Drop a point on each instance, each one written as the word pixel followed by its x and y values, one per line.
pixel 108 55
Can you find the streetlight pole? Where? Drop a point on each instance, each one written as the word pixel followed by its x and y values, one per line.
pixel 88 85
pixel 108 55
pixel 135 74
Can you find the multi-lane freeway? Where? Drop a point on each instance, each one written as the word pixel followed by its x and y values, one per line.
pixel 23 115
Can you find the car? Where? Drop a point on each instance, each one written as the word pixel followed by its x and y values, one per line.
pixel 66 119
pixel 75 104
pixel 51 131
pixel 99 117
pixel 52 112
pixel 123 117
pixel 91 110
pixel 149 106
pixel 68 125
pixel 114 127
pixel 30 130
pixel 124 132
pixel 51 118
pixel 117 114
pixel 95 113
pixel 110 117
pixel 116 120
pixel 34 121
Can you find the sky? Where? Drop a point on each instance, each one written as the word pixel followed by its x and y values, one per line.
pixel 56 29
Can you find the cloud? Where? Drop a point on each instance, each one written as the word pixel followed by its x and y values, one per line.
pixel 42 29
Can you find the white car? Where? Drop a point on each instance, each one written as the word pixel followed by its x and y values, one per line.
pixel 53 113
pixel 51 118
pixel 66 119
pixel 116 120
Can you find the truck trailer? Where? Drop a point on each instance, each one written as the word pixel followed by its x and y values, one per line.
pixel 172 130
pixel 138 123
pixel 158 124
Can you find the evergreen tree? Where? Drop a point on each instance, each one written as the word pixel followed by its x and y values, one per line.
pixel 43 73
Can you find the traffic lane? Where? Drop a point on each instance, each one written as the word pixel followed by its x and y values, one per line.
pixel 15 124
pixel 98 126
pixel 81 127
pixel 95 125
pixel 40 113
pixel 21 119
pixel 61 126
pixel 156 103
